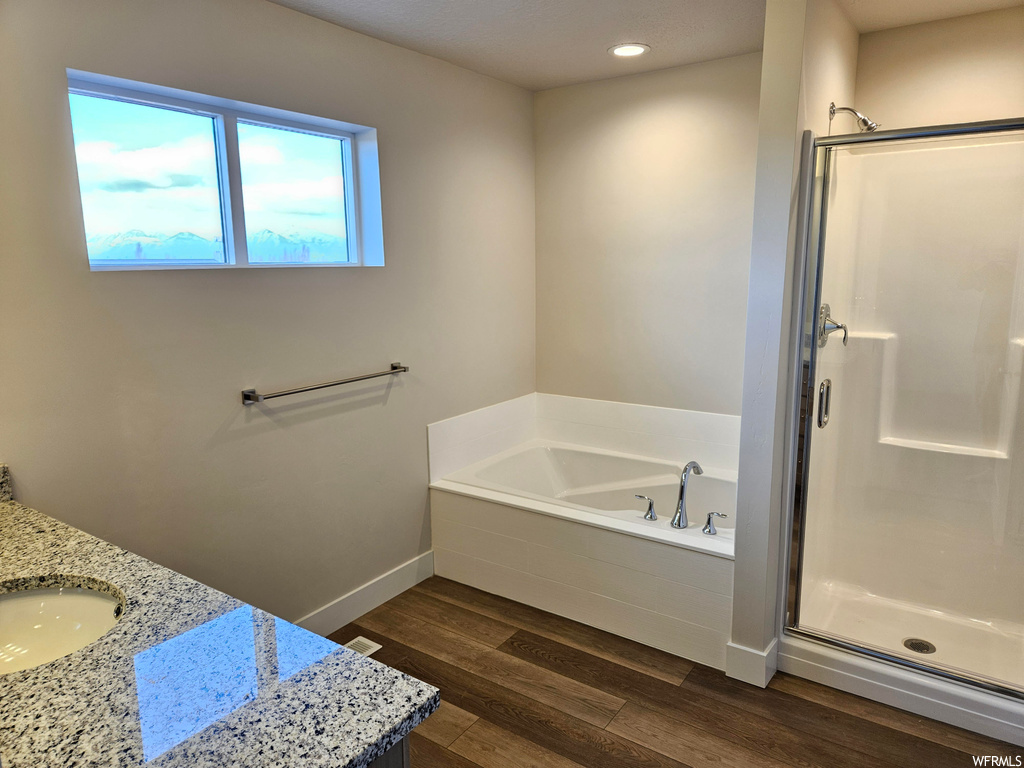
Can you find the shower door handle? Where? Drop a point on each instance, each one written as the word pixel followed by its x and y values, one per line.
pixel 824 402
pixel 826 326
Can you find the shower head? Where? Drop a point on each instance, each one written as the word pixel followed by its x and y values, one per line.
pixel 864 123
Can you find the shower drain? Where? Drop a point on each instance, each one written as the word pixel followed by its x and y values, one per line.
pixel 917 645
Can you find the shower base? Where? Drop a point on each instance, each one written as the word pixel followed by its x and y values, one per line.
pixel 990 650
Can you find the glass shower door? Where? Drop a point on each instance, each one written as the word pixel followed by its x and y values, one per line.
pixel 911 509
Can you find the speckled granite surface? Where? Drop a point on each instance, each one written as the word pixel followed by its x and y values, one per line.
pixel 189 676
pixel 6 491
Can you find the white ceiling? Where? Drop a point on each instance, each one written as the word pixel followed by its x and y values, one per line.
pixel 542 44
pixel 872 15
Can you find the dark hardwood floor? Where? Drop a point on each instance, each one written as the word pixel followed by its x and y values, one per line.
pixel 526 689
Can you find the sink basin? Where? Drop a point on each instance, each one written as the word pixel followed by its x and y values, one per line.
pixel 46 617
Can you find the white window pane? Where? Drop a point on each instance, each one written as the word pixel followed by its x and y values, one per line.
pixel 149 184
pixel 293 191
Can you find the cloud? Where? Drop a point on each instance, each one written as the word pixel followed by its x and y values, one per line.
pixel 281 206
pixel 185 163
pixel 184 180
pixel 326 194
pixel 176 180
pixel 258 153
pixel 128 185
pixel 173 187
pixel 304 212
pixel 156 210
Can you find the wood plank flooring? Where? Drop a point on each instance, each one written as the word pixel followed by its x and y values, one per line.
pixel 522 688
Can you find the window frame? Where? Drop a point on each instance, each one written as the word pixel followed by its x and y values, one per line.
pixel 360 170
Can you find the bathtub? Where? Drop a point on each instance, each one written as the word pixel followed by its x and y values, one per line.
pixel 599 488
pixel 556 526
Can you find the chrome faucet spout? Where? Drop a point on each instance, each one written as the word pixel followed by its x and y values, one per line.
pixel 679 520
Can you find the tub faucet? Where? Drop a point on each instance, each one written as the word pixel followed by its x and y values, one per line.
pixel 680 521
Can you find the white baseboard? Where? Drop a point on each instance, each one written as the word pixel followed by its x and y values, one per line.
pixel 750 665
pixel 348 607
pixel 964 706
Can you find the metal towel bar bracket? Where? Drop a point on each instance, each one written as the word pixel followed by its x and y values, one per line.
pixel 250 396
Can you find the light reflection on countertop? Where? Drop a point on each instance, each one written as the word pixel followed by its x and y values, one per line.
pixel 190 676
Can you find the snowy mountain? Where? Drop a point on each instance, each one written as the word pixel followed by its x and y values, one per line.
pixel 265 246
pixel 138 245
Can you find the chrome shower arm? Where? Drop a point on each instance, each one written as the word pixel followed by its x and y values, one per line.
pixel 864 123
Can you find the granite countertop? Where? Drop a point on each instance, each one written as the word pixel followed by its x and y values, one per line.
pixel 189 676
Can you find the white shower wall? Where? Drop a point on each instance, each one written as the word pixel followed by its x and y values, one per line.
pixel 912 496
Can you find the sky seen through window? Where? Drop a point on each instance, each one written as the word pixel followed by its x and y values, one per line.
pixel 149 184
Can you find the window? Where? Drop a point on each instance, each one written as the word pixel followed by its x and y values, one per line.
pixel 293 185
pixel 173 180
pixel 149 183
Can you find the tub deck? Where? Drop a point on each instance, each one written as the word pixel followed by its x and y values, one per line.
pixel 598 488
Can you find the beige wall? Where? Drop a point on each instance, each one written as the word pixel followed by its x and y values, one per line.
pixel 830 67
pixel 120 390
pixel 645 191
pixel 809 60
pixel 952 71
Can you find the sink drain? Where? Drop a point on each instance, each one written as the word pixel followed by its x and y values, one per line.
pixel 917 645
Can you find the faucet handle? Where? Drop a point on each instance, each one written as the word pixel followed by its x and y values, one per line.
pixel 709 526
pixel 650 507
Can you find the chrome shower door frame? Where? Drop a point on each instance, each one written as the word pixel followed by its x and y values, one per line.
pixel 812 220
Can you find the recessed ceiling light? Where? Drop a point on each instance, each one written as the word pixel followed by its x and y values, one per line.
pixel 629 49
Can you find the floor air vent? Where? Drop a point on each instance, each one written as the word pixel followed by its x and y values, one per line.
pixel 363 646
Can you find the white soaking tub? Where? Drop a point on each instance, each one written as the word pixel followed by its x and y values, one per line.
pixel 599 488
pixel 557 526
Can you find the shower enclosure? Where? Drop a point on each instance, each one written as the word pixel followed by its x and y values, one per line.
pixel 908 520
